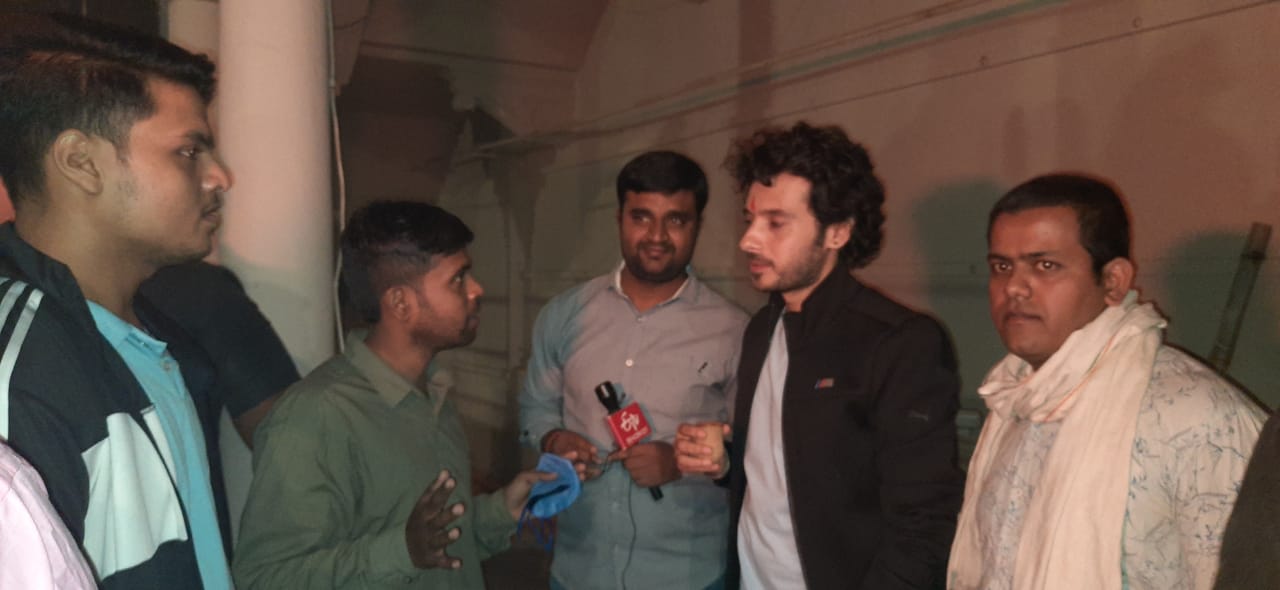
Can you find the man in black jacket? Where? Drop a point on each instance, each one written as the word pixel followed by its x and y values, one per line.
pixel 108 156
pixel 844 458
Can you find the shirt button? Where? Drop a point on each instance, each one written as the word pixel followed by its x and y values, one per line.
pixel 629 362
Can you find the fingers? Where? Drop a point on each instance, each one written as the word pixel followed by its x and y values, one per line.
pixel 436 494
pixel 690 431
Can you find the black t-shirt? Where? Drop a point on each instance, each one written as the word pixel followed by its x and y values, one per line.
pixel 239 362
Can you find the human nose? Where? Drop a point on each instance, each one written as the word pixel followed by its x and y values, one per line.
pixel 218 177
pixel 749 242
pixel 1017 285
pixel 476 290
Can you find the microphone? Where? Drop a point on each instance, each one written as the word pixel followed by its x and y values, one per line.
pixel 628 424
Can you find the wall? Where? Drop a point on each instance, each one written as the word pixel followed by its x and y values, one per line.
pixel 1175 101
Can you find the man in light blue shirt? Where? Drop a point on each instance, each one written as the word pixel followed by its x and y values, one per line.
pixel 180 437
pixel 666 341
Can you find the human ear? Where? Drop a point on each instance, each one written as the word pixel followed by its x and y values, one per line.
pixel 838 234
pixel 396 303
pixel 1117 279
pixel 74 159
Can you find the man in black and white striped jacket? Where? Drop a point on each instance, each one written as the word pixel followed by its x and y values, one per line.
pixel 108 157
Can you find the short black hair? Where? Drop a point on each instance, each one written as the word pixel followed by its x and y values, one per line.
pixel 389 243
pixel 663 172
pixel 60 72
pixel 1104 222
pixel 844 184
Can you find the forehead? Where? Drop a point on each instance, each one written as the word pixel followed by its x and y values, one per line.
pixel 787 193
pixel 680 201
pixel 179 111
pixel 1041 229
pixel 447 265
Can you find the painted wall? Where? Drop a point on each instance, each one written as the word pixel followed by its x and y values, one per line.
pixel 1176 101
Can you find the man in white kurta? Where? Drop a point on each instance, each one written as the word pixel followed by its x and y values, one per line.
pixel 1109 459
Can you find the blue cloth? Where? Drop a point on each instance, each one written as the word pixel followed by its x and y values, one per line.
pixel 679 361
pixel 549 498
pixel 158 373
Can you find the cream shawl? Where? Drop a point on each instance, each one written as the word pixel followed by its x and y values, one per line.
pixel 1094 384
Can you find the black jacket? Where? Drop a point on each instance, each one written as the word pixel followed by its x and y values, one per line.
pixel 75 411
pixel 869 437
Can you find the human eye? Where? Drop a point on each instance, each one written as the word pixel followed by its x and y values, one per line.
pixel 999 266
pixel 1047 265
pixel 190 152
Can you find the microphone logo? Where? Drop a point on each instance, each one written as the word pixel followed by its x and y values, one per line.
pixel 630 422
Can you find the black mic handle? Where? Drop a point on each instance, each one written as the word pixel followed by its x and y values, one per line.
pixel 656 492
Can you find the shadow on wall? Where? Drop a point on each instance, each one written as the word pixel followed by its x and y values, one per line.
pixel 951 224
pixel 1197 278
pixel 1175 170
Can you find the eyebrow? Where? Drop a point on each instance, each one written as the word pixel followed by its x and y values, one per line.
pixel 201 138
pixel 1026 256
pixel 768 213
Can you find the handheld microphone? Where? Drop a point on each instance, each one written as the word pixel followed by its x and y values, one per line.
pixel 628 425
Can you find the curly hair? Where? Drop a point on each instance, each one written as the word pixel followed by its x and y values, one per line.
pixel 844 184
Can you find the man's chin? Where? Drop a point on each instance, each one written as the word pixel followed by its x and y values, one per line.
pixel 664 274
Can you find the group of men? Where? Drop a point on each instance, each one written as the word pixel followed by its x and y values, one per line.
pixel 1108 459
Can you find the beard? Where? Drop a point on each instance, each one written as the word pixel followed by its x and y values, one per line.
pixel 805 272
pixel 669 272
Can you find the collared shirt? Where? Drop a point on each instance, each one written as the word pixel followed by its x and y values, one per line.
pixel 679 361
pixel 36 551
pixel 183 446
pixel 766 533
pixel 1193 439
pixel 338 466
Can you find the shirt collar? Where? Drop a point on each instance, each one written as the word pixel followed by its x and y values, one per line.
pixel 688 290
pixel 391 387
pixel 119 332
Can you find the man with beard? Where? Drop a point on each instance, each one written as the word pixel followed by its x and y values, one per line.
pixel 844 458
pixel 355 464
pixel 1109 460
pixel 109 159
pixel 666 341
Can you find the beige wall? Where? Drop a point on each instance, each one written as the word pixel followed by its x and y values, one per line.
pixel 1177 101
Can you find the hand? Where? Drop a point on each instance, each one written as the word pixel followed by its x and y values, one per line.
pixel 427 533
pixel 516 494
pixel 575 448
pixel 650 464
pixel 694 456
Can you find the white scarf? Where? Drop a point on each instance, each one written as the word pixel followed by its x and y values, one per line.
pixel 1094 385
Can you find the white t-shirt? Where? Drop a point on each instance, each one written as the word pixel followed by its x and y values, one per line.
pixel 766 535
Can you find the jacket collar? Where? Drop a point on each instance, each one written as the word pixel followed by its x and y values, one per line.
pixel 833 292
pixel 47 274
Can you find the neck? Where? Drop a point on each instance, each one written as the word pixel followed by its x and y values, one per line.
pixel 645 294
pixel 105 275
pixel 795 298
pixel 397 349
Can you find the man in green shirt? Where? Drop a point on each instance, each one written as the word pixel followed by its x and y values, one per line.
pixel 345 491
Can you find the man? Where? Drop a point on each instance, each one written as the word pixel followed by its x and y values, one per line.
pixel 345 491
pixel 1108 459
pixel 666 341
pixel 37 551
pixel 1251 543
pixel 109 160
pixel 249 365
pixel 844 464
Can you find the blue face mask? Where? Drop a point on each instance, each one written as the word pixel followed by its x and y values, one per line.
pixel 548 498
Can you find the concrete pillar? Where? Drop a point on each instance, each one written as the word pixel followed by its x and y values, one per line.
pixel 192 25
pixel 273 132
